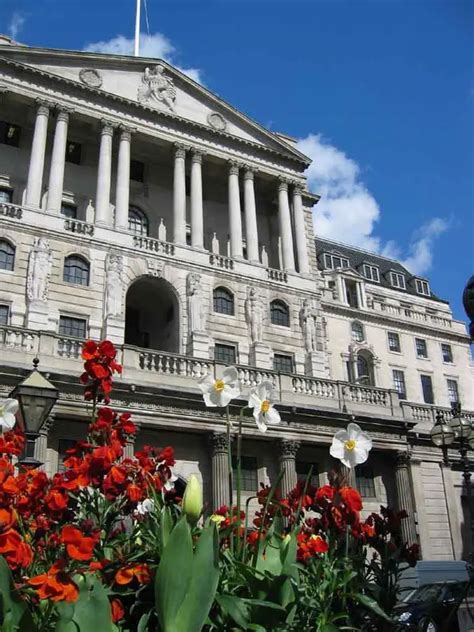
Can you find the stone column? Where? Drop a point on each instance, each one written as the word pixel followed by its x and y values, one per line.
pixel 235 219
pixel 58 160
pixel 38 149
pixel 300 231
pixel 41 444
pixel 197 228
pixel 288 451
pixel 104 175
pixel 349 475
pixel 179 196
pixel 129 450
pixel 405 497
pixel 250 217
pixel 122 191
pixel 220 470
pixel 284 222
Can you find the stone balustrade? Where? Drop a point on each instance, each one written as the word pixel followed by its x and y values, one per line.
pixel 153 245
pixel 78 226
pixel 226 263
pixel 10 210
pixel 18 339
pixel 422 317
pixel 277 275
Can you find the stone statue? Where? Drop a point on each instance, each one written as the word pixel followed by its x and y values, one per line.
pixel 196 313
pixel 308 317
pixel 39 270
pixel 114 285
pixel 158 87
pixel 254 314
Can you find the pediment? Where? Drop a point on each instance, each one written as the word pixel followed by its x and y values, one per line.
pixel 154 84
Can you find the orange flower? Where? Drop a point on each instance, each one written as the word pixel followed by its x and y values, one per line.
pixel 126 574
pixel 7 519
pixel 351 498
pixel 56 501
pixel 55 584
pixel 89 350
pixel 134 492
pixel 118 611
pixel 78 546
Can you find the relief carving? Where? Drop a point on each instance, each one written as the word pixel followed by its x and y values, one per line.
pixel 254 311
pixel 39 270
pixel 157 87
pixel 114 285
pixel 196 307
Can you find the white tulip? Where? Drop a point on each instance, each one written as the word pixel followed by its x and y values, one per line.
pixel 146 506
pixel 260 399
pixel 351 446
pixel 8 410
pixel 221 391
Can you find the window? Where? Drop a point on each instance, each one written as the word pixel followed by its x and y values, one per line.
pixel 279 313
pixel 5 196
pixel 137 221
pixel 73 152
pixel 70 326
pixel 394 341
pixel 224 353
pixel 223 301
pixel 76 270
pixel 63 446
pixel 302 471
pixel 397 280
pixel 422 287
pixel 447 352
pixel 357 332
pixel 363 369
pixel 421 348
pixel 399 383
pixel 453 393
pixel 137 171
pixel 283 363
pixel 69 210
pixel 371 273
pixel 365 481
pixel 351 293
pixel 7 255
pixel 248 473
pixel 10 134
pixel 4 314
pixel 427 388
pixel 333 261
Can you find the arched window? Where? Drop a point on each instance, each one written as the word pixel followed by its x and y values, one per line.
pixel 7 255
pixel 223 301
pixel 137 221
pixel 279 313
pixel 357 332
pixel 365 369
pixel 76 270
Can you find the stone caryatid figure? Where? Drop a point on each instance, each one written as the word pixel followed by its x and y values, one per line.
pixel 308 316
pixel 114 285
pixel 196 308
pixel 39 270
pixel 254 310
pixel 157 87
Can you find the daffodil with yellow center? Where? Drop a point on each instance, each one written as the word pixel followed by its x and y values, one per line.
pixel 260 400
pixel 351 446
pixel 219 392
pixel 219 385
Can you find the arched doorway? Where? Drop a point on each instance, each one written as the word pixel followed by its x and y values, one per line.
pixel 152 315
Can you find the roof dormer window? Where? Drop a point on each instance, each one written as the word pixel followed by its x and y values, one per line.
pixel 332 262
pixel 397 280
pixel 371 272
pixel 422 287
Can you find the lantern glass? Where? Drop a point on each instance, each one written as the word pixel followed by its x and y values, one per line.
pixel 36 397
pixel 461 426
pixel 442 434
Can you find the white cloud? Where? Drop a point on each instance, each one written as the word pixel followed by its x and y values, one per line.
pixel 16 24
pixel 348 212
pixel 154 46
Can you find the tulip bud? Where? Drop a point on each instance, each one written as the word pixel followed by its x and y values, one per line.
pixel 192 500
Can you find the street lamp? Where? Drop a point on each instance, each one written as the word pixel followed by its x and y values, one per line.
pixel 36 397
pixel 442 435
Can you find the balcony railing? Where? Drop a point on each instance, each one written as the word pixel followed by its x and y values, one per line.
pixel 10 210
pixel 78 226
pixel 153 245
pixel 277 275
pixel 226 263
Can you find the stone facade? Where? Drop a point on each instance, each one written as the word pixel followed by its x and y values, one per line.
pixel 136 205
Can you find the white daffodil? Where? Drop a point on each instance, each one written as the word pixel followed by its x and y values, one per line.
pixel 146 506
pixel 8 410
pixel 221 391
pixel 351 446
pixel 260 399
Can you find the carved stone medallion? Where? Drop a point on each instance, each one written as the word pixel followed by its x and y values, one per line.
pixel 216 121
pixel 90 77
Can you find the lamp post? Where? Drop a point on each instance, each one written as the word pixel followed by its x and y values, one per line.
pixel 36 397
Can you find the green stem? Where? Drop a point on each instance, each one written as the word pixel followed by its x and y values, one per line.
pixel 231 487
pixel 239 455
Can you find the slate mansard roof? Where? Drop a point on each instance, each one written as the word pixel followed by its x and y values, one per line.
pixel 358 257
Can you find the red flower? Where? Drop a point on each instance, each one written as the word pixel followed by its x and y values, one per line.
pixel 78 546
pixel 56 501
pixel 326 492
pixel 118 611
pixel 134 492
pixel 107 349
pixel 351 498
pixel 89 350
pixel 126 574
pixel 55 585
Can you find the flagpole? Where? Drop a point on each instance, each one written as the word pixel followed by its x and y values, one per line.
pixel 136 51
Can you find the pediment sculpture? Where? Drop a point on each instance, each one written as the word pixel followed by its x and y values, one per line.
pixel 157 87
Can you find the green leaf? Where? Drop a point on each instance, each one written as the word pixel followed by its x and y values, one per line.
pixel 235 608
pixel 92 610
pixel 15 616
pixel 372 605
pixel 143 623
pixel 256 627
pixel 166 525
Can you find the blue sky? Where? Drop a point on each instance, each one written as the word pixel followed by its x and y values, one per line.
pixel 381 94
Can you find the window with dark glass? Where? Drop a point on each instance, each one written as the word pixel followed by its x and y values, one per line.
pixel 73 152
pixel 422 287
pixel 421 348
pixel 357 332
pixel 399 383
pixel 279 313
pixel 137 221
pixel 394 341
pixel 334 261
pixel 10 134
pixel 364 370
pixel 248 473
pixel 69 210
pixel 351 293
pixel 137 171
pixel 453 392
pixel 365 481
pixel 427 388
pixel 283 363
pixel 371 273
pixel 4 314
pixel 447 352
pixel 5 196
pixel 224 353
pixel 397 280
pixel 223 300
pixel 302 471
pixel 76 270
pixel 70 326
pixel 63 446
pixel 7 255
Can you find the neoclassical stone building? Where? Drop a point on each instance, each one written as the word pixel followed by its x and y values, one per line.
pixel 138 206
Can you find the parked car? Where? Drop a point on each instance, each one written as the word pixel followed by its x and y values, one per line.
pixel 432 607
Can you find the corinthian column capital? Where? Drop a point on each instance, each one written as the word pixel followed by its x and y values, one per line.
pixel 289 448
pixel 180 150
